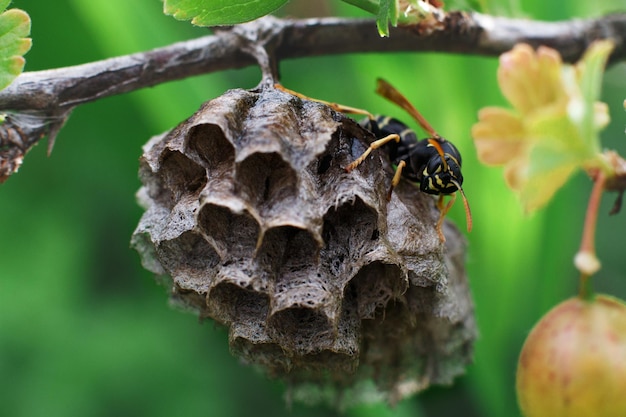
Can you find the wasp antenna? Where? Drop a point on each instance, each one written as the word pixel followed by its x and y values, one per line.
pixel 335 106
pixel 384 89
pixel 468 212
pixel 442 154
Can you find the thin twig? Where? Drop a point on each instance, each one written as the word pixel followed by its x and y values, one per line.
pixel 51 95
pixel 474 34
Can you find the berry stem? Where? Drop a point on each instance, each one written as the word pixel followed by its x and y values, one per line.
pixel 586 260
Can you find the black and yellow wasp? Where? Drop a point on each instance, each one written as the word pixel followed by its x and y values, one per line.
pixel 434 162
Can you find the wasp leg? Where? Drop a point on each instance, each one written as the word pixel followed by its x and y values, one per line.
pixel 443 210
pixel 396 178
pixel 335 106
pixel 374 145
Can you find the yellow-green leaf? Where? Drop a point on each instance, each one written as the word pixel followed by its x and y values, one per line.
pixel 386 14
pixel 553 127
pixel 14 29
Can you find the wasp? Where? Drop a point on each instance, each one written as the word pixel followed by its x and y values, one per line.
pixel 433 162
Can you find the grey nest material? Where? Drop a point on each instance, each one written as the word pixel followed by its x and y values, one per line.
pixel 251 220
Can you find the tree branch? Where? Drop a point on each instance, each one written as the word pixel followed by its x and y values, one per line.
pixel 44 99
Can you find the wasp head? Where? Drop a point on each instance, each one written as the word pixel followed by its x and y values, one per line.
pixel 441 172
pixel 441 178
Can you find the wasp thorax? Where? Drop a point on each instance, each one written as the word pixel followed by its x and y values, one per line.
pixel 254 221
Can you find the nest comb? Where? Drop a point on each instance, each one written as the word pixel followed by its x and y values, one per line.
pixel 251 220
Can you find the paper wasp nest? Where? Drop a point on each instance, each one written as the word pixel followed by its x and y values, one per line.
pixel 254 223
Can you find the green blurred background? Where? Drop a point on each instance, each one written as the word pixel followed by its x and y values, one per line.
pixel 84 331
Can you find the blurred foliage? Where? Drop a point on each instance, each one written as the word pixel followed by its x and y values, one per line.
pixel 541 141
pixel 85 331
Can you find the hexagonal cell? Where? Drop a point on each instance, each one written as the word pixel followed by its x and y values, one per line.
pixel 284 260
pixel 266 181
pixel 288 248
pixel 208 142
pixel 180 174
pixel 301 330
pixel 350 231
pixel 190 260
pixel 188 300
pixel 377 284
pixel 303 290
pixel 269 355
pixel 229 112
pixel 243 273
pixel 229 303
pixel 232 234
pixel 393 348
pixel 338 352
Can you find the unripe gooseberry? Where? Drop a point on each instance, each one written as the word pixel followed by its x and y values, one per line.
pixel 573 363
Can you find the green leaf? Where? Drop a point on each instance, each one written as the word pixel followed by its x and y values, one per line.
pixel 220 12
pixel 387 13
pixel 14 29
